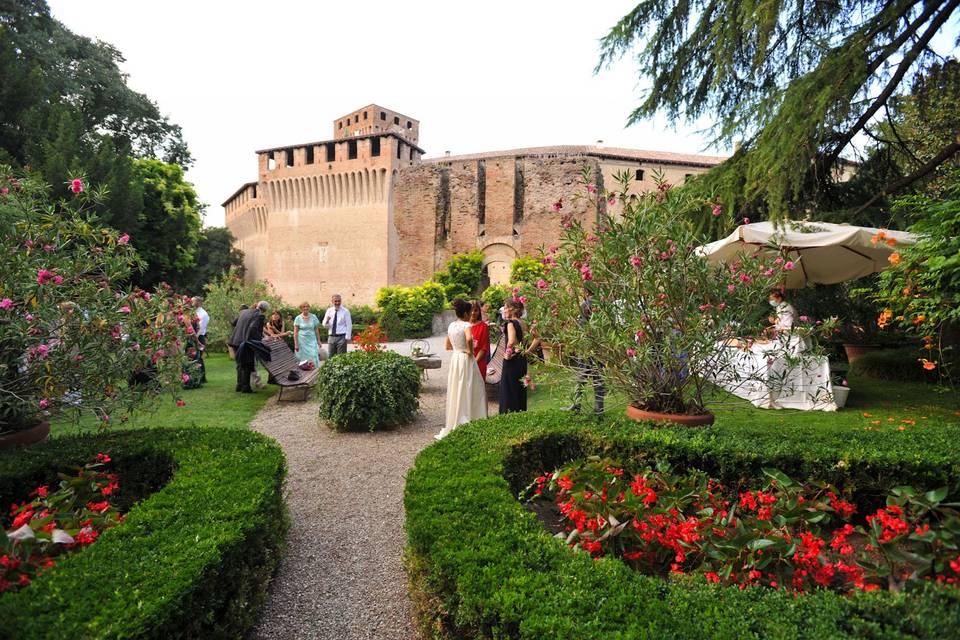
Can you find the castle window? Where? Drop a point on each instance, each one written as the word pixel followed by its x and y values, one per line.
pixel 383 116
pixel 254 191
pixel 396 120
pixel 356 119
pixel 399 149
pixel 271 162
pixel 340 125
pixel 375 146
pixel 289 157
pixel 331 151
pixel 364 115
pixel 411 153
pixel 352 150
pixel 409 125
pixel 309 158
pixel 639 175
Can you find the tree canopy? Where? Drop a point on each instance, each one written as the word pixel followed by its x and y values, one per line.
pixel 793 83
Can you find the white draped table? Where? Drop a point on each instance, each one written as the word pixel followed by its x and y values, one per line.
pixel 762 374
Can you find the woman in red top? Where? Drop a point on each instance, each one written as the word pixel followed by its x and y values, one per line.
pixel 481 337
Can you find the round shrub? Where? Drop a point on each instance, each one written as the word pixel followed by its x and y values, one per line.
pixel 369 391
pixel 191 559
pixel 482 565
pixel 900 365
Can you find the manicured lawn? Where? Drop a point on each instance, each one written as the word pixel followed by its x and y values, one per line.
pixel 215 404
pixel 895 407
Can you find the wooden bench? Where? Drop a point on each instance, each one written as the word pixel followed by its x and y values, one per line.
pixel 282 362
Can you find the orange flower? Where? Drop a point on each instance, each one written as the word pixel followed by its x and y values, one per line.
pixel 909 422
pixel 891 242
pixel 867 415
pixel 929 366
pixel 928 342
pixel 917 319
pixel 894 259
pixel 881 235
pixel 874 422
pixel 906 292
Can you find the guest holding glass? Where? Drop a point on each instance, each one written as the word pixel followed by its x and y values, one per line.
pixel 306 336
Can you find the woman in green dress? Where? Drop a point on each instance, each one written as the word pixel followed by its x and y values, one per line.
pixel 306 336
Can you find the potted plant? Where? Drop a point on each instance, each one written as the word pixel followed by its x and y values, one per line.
pixel 841 390
pixel 662 317
pixel 71 340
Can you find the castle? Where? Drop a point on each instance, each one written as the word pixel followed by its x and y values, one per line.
pixel 366 209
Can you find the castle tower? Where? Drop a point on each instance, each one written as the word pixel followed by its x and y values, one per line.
pixel 319 218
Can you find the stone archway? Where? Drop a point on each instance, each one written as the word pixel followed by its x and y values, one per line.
pixel 497 259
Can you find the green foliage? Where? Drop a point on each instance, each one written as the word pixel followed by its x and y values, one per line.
pixel 369 391
pixel 488 567
pixel 193 556
pixel 526 270
pixel 495 295
pixel 415 306
pixel 169 229
pixel 899 365
pixel 215 256
pixel 461 276
pixel 70 335
pixel 223 299
pixel 794 82
pixel 363 314
pixel 391 325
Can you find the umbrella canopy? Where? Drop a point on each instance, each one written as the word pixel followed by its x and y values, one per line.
pixel 825 253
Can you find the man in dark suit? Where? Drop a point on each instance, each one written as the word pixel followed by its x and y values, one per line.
pixel 249 327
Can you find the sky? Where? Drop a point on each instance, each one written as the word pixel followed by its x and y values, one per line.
pixel 240 76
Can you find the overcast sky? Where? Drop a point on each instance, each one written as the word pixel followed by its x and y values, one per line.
pixel 241 76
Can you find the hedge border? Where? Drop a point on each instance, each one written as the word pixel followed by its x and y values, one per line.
pixel 481 565
pixel 192 559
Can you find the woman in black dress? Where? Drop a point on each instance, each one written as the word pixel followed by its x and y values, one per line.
pixel 513 390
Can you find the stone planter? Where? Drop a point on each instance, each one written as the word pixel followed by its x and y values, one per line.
pixel 36 433
pixel 700 420
pixel 840 395
pixel 856 351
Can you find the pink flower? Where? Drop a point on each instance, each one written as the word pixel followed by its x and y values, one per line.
pixel 722 306
pixel 591 188
pixel 717 210
pixel 553 248
pixel 43 350
pixel 57 279
pixel 124 239
pixel 640 335
pixel 76 185
pixel 636 261
pixel 706 306
pixel 28 243
pixel 778 261
pixel 542 284
pixel 558 205
pixel 789 266
pixel 804 318
pixel 746 221
pixel 585 272
pixel 612 201
pixel 6 303
pixel 768 272
pixel 125 309
pixel 189 330
pixel 105 418
pixel 731 288
pixel 184 378
pixel 44 403
pixel 49 248
pixel 44 276
pixel 591 238
pixel 522 299
pixel 146 296
pixel 28 317
pixel 631 352
pixel 745 278
pixel 4 190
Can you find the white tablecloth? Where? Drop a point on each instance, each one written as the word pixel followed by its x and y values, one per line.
pixel 763 375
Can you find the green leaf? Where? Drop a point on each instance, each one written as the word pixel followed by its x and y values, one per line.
pixel 935 496
pixel 761 543
pixel 779 476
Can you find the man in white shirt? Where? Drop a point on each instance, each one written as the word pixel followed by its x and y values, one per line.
pixel 339 326
pixel 203 319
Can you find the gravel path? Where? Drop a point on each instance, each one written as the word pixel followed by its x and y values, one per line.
pixel 341 576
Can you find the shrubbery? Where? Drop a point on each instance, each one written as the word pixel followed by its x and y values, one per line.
pixel 482 565
pixel 495 295
pixel 368 391
pixel 192 557
pixel 415 306
pixel 223 299
pixel 899 365
pixel 461 277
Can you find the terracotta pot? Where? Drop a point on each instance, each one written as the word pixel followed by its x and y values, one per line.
pixel 856 351
pixel 36 433
pixel 698 420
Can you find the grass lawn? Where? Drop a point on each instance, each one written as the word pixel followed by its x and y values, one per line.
pixel 215 404
pixel 873 405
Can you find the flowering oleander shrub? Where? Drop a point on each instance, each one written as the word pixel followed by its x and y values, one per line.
pixel 55 521
pixel 661 313
pixel 782 535
pixel 72 339
pixel 373 390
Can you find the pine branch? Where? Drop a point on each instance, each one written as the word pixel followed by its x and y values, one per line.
pixel 902 69
pixel 945 154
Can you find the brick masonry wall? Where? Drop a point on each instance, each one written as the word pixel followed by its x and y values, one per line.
pixel 415 198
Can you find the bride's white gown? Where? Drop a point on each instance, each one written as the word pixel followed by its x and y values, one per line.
pixel 466 396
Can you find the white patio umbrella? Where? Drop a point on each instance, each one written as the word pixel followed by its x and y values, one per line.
pixel 824 253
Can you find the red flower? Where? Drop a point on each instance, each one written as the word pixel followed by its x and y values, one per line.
pixel 110 488
pixel 76 185
pixel 98 506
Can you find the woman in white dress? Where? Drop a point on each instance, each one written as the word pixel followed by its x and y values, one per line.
pixel 466 395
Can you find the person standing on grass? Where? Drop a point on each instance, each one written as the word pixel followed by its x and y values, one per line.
pixel 203 320
pixel 466 395
pixel 339 326
pixel 249 329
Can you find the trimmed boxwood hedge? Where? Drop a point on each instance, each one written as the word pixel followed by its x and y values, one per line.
pixel 483 566
pixel 191 559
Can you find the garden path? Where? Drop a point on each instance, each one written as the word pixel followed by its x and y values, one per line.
pixel 342 576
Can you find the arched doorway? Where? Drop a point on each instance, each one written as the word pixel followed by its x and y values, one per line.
pixel 497 259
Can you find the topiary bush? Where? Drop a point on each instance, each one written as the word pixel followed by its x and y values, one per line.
pixel 191 559
pixel 900 365
pixel 369 391
pixel 482 565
